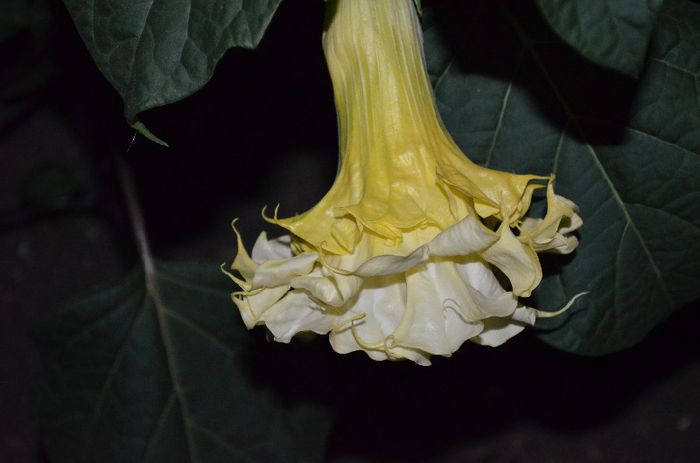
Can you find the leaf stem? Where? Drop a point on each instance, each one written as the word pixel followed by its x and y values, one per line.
pixel 159 305
pixel 136 215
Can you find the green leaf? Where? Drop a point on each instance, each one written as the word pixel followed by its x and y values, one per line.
pixel 156 53
pixel 612 33
pixel 627 152
pixel 157 369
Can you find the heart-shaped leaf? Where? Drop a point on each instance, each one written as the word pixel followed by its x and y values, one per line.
pixel 627 152
pixel 155 369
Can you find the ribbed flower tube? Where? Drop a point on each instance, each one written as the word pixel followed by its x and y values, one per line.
pixel 399 258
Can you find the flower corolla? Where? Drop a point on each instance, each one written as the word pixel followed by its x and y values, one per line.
pixel 415 249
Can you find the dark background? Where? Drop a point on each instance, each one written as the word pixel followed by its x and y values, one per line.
pixel 262 132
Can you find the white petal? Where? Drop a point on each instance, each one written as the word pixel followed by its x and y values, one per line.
pixel 499 330
pixel 458 329
pixel 252 307
pixel 471 289
pixel 334 290
pixel 517 261
pixel 295 313
pixel 386 298
pixel 466 237
pixel 390 264
pixel 423 323
pixel 462 239
pixel 382 303
pixel 281 271
pixel 278 248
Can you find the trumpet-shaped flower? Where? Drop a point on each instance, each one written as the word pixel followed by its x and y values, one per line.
pixel 401 258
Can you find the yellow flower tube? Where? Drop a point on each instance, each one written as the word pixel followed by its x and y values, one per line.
pixel 398 258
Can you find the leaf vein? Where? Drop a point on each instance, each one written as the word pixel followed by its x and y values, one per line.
pixel 442 75
pixel 173 370
pixel 238 453
pixel 499 124
pixel 674 66
pixel 661 140
pixel 160 422
pixel 111 375
pixel 139 41
pixel 193 286
pixel 628 218
pixel 199 330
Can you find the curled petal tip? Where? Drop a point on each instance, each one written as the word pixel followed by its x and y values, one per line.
pixel 567 306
